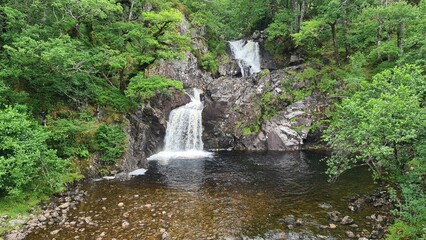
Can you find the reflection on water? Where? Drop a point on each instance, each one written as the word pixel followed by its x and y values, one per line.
pixel 232 195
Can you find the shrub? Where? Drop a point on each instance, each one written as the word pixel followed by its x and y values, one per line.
pixel 26 162
pixel 110 141
pixel 143 88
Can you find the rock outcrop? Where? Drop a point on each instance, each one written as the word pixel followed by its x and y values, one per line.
pixel 235 103
pixel 147 127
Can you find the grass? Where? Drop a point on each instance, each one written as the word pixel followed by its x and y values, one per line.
pixel 18 208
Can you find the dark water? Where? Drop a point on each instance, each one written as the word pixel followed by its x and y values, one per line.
pixel 235 195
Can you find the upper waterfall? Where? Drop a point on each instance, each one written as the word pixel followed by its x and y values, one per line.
pixel 184 132
pixel 247 54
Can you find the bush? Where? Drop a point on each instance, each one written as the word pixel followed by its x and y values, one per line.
pixel 209 63
pixel 110 141
pixel 144 88
pixel 26 162
pixel 72 138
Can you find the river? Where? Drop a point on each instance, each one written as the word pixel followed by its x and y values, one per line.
pixel 234 195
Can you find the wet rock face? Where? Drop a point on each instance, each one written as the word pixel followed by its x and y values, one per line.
pixel 230 103
pixel 185 70
pixel 147 128
pixel 233 104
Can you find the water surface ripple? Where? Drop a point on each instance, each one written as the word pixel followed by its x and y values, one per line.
pixel 234 195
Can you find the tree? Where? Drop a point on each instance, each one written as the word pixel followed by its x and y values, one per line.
pixel 381 125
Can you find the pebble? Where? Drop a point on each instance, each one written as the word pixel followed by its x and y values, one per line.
pixel 350 234
pixel 65 205
pixel 165 236
pixel 325 206
pixel 353 225
pixel 346 220
pixel 54 232
pixel 332 226
pixel 42 218
pixel 120 204
pixel 125 224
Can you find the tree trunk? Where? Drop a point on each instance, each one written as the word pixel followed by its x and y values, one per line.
pixel 389 38
pixel 336 48
pixel 400 38
pixel 302 14
pixel 131 11
pixel 295 9
pixel 347 46
pixel 379 34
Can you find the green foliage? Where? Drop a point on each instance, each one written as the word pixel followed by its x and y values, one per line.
pixel 251 130
pixel 309 33
pixel 72 138
pixel 144 88
pixel 26 162
pixel 307 74
pixel 110 141
pixel 209 63
pixel 327 84
pixel 8 97
pixel 268 103
pixel 379 125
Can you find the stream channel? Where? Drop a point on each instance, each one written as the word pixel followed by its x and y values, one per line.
pixel 234 195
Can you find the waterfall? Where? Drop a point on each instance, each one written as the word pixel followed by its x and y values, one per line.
pixel 184 132
pixel 246 52
pixel 184 128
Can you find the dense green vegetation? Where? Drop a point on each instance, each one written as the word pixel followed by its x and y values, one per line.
pixel 69 70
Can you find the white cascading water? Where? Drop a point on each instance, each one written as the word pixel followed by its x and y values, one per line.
pixel 184 132
pixel 247 54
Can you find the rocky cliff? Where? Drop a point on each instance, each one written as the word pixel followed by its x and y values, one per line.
pixel 147 127
pixel 237 113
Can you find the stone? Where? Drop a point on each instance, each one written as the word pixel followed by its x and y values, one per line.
pixel 54 232
pixel 325 206
pixel 125 224
pixel 165 236
pixel 120 204
pixel 324 226
pixel 42 218
pixel 332 226
pixel 290 220
pixel 64 205
pixel 334 216
pixel 379 218
pixel 350 234
pixel 346 220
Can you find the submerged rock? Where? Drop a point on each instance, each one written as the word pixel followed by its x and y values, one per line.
pixel 334 216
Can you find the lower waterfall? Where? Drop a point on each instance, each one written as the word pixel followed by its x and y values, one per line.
pixel 184 132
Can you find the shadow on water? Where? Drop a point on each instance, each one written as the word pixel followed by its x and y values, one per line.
pixel 232 195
